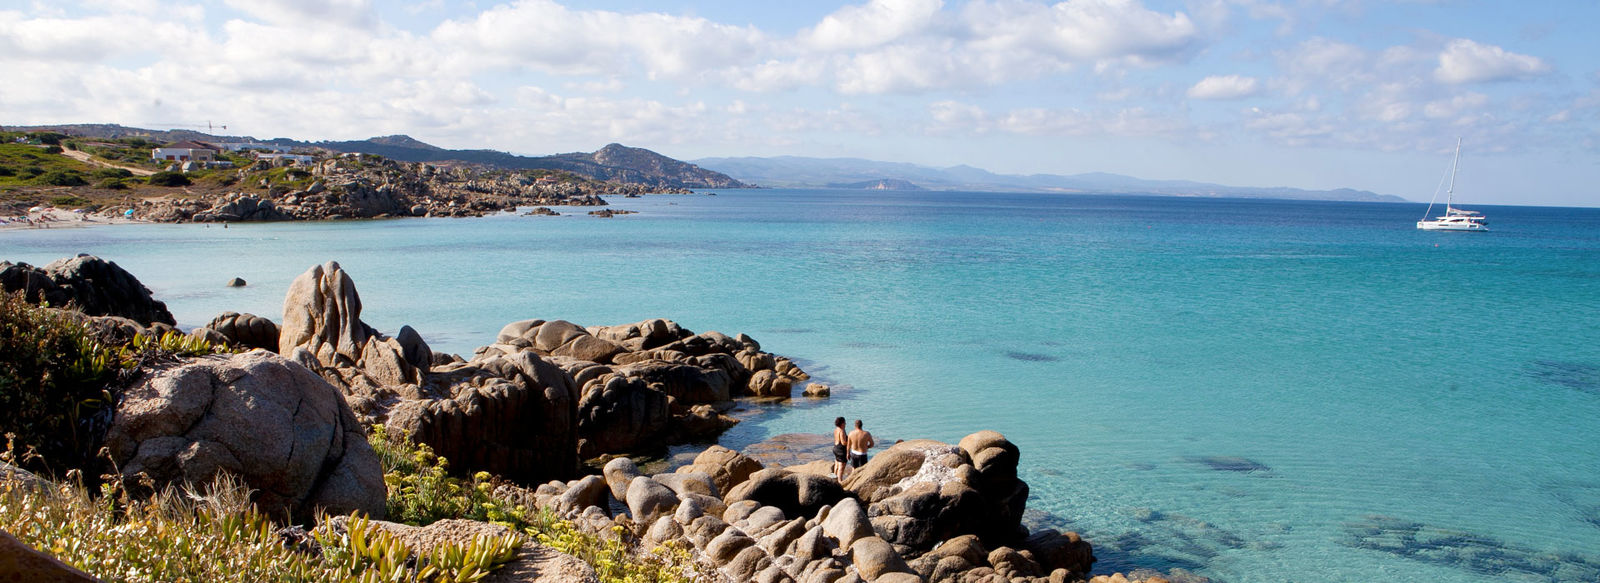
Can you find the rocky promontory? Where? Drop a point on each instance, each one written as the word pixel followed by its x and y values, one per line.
pixel 289 416
pixel 364 186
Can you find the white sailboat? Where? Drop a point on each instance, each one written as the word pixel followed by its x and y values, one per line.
pixel 1453 219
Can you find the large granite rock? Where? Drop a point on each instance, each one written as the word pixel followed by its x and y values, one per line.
pixel 89 284
pixel 726 467
pixel 261 417
pixel 921 492
pixel 246 330
pixel 514 416
pixel 322 313
pixel 620 414
pixel 795 494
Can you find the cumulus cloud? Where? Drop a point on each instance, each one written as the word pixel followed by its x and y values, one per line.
pixel 350 13
pixel 1465 61
pixel 544 35
pixel 872 24
pixel 1224 87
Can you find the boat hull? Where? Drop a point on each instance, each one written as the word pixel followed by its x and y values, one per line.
pixel 1450 226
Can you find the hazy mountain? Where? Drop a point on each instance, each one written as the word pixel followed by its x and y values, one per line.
pixel 801 172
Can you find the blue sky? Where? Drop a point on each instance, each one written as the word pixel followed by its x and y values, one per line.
pixel 1302 93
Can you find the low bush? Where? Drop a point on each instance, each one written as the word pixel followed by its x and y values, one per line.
pixel 61 178
pixel 168 179
pixel 111 184
pixel 52 149
pixel 53 378
pixel 111 173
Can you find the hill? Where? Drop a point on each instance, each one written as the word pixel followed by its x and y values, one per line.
pixel 802 172
pixel 613 163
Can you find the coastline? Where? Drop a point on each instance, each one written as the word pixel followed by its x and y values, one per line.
pixel 55 218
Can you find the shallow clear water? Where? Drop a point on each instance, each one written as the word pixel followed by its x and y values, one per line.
pixel 1253 390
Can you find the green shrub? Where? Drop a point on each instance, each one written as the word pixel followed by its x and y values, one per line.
pixel 168 179
pixel 28 172
pixel 111 184
pixel 61 178
pixel 52 149
pixel 111 173
pixel 53 380
pixel 7 171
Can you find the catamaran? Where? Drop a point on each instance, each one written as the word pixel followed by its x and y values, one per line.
pixel 1453 219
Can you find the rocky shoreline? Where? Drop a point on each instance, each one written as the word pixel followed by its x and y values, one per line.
pixel 289 417
pixel 365 187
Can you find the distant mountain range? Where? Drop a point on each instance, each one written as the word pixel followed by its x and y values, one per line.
pixel 619 163
pixel 855 173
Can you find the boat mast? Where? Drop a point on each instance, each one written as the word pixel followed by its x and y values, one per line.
pixel 1450 195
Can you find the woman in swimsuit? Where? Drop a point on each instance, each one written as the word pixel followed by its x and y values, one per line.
pixel 839 439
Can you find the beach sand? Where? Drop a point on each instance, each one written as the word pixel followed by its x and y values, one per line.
pixel 54 218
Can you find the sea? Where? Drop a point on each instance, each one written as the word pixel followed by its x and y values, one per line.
pixel 1238 389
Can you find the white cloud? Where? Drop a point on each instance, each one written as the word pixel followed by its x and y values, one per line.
pixel 546 36
pixel 953 117
pixel 873 24
pixel 1456 105
pixel 1224 87
pixel 347 13
pixel 1465 61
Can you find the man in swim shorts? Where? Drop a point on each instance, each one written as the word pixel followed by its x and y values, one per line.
pixel 839 457
pixel 859 441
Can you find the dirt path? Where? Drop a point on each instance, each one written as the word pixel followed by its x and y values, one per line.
pixel 86 158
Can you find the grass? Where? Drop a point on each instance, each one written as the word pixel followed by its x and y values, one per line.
pixel 23 163
pixel 214 534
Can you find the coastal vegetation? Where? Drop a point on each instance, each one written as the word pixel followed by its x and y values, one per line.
pixel 57 378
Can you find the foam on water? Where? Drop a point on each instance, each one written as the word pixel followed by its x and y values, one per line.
pixel 1252 390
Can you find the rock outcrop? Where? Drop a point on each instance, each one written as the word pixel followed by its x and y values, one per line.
pixel 281 428
pixel 917 513
pixel 513 415
pixel 88 284
pixel 245 330
pixel 920 492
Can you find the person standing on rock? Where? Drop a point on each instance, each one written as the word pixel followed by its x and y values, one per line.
pixel 860 441
pixel 840 442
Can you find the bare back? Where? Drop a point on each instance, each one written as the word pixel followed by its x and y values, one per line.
pixel 861 441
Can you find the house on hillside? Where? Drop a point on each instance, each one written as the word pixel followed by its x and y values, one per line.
pixel 185 151
pixel 287 159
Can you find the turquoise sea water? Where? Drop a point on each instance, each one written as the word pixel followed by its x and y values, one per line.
pixel 1252 390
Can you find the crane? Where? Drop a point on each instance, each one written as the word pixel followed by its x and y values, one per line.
pixel 209 126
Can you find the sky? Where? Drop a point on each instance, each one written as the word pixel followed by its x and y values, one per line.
pixel 1311 94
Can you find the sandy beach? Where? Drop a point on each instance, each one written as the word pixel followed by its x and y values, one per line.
pixel 54 218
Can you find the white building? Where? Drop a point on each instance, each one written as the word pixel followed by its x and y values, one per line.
pixel 186 151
